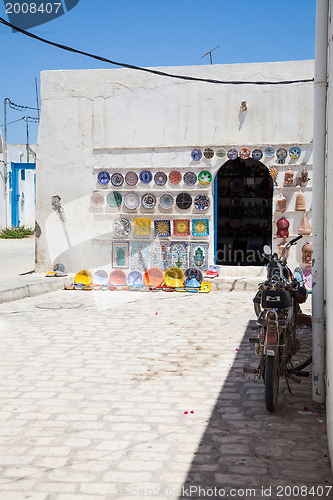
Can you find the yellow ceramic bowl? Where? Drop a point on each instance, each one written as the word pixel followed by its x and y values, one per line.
pixel 174 277
pixel 84 277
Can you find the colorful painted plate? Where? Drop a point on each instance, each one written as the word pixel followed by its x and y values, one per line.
pixel 160 178
pixel 122 227
pixel 193 272
pixel 190 178
pixel 175 177
pixel 83 277
pixel 59 268
pixel 244 153
pixel 298 275
pixel 294 153
pixel 131 178
pixel 146 176
pixel 131 201
pixel 153 277
pixel 97 200
pixel 174 277
pixel 166 200
pixel 201 202
pixel 184 201
pixel 232 154
pixel 269 151
pixel 257 154
pixel 134 278
pixel 148 201
pixel 205 177
pixel 281 154
pixel 100 277
pixel 208 153
pixel 117 277
pixel 117 180
pixel 114 199
pixel 221 152
pixel 206 287
pixel 103 177
pixel 196 154
pixel 308 278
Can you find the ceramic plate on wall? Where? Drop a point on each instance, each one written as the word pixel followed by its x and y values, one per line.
pixel 294 153
pixel 190 178
pixel 114 199
pixel 117 277
pixel 208 153
pixel 269 151
pixel 257 154
pixel 184 201
pixel 181 227
pixel 103 177
pixel 97 200
pixel 281 154
pixel 131 201
pixel 205 177
pixel 148 201
pixel 122 227
pixel 201 202
pixel 166 200
pixel 146 176
pixel 134 278
pixel 221 152
pixel 232 154
pixel 131 178
pixel 100 277
pixel 117 180
pixel 160 178
pixel 196 154
pixel 175 177
pixel 244 153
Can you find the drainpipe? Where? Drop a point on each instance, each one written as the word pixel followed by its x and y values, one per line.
pixel 318 200
pixel 6 162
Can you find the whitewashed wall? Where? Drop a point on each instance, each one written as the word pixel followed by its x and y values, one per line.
pixel 125 120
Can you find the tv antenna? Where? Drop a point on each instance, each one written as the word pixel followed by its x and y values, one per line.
pixel 210 54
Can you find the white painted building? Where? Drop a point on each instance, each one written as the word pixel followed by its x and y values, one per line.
pixel 119 121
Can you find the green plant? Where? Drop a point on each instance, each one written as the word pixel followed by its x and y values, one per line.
pixel 16 232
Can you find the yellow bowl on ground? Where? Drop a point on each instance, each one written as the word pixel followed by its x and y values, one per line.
pixel 84 277
pixel 174 277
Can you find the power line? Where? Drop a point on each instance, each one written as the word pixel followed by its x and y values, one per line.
pixel 18 107
pixel 22 118
pixel 147 70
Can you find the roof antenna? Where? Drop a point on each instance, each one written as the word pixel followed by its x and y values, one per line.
pixel 210 54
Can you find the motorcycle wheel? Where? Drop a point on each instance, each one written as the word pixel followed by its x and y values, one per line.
pixel 257 303
pixel 303 356
pixel 272 379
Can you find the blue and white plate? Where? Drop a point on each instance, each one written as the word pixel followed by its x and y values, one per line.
pixel 232 154
pixel 298 275
pixel 294 153
pixel 145 176
pixel 117 180
pixel 281 154
pixel 103 177
pixel 269 151
pixel 196 154
pixel 160 178
pixel 257 154
pixel 134 278
pixel 148 201
pixel 190 178
pixel 100 277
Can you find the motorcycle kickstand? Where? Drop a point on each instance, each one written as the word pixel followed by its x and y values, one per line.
pixel 288 385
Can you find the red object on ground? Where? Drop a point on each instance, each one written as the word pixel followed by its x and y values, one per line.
pixel 117 277
pixel 153 277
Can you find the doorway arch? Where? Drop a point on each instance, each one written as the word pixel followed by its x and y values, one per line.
pixel 243 212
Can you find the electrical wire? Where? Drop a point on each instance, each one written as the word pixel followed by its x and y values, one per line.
pixel 9 123
pixel 18 107
pixel 148 70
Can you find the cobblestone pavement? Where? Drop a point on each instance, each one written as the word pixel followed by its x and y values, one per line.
pixel 143 395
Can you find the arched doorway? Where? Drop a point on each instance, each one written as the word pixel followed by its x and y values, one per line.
pixel 243 211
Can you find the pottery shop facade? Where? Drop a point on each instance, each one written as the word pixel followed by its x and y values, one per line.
pixel 137 170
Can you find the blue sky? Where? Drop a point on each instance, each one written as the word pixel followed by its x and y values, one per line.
pixel 153 33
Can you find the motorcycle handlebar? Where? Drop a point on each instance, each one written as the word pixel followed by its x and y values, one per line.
pixel 292 242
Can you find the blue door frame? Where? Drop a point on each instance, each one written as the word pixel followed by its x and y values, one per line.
pixel 215 216
pixel 15 198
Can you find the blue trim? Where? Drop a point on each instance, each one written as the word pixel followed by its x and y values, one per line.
pixel 215 216
pixel 15 197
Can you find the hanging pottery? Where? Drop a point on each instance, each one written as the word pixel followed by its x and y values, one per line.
pixel 282 228
pixel 300 201
pixel 305 227
pixel 282 203
pixel 307 253
pixel 289 177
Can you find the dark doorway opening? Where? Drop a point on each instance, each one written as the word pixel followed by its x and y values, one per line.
pixel 244 212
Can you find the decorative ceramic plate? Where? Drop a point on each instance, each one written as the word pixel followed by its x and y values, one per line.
pixel 153 277
pixel 134 278
pixel 103 177
pixel 122 227
pixel 131 178
pixel 117 277
pixel 97 200
pixel 294 153
pixel 184 201
pixel 142 226
pixel 148 201
pixel 257 154
pixel 201 202
pixel 232 154
pixel 181 227
pixel 174 277
pixel 196 154
pixel 175 177
pixel 298 275
pixel 162 228
pixel 281 154
pixel 200 227
pixel 205 177
pixel 160 178
pixel 114 199
pixel 307 273
pixel 193 272
pixel 269 151
pixel 131 201
pixel 166 200
pixel 60 268
pixel 190 178
pixel 244 153
pixel 117 180
pixel 84 277
pixel 100 277
pixel 208 153
pixel 146 176
pixel 221 152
